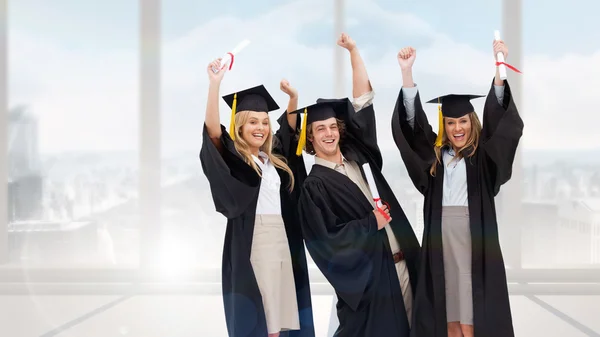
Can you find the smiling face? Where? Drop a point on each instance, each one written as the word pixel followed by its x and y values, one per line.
pixel 458 130
pixel 325 137
pixel 255 128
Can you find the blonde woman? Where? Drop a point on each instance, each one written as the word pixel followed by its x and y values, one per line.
pixel 461 288
pixel 252 175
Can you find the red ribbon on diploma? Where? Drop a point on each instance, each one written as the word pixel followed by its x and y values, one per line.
pixel 231 63
pixel 385 215
pixel 509 67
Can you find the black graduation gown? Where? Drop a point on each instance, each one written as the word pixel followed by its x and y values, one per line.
pixel 340 232
pixel 235 187
pixel 487 170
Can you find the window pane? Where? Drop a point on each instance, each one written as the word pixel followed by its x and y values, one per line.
pixel 561 177
pixel 72 152
pixel 192 231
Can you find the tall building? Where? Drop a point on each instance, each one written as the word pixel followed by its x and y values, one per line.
pixel 579 232
pixel 24 166
pixel 539 235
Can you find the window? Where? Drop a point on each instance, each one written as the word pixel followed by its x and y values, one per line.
pixel 72 134
pixel 542 102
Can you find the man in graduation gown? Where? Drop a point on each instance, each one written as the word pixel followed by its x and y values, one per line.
pixel 235 190
pixel 488 169
pixel 369 261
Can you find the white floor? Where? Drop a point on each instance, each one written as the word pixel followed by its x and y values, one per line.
pixel 195 315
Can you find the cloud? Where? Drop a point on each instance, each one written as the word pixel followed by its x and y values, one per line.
pixel 559 101
pixel 85 100
pixel 82 94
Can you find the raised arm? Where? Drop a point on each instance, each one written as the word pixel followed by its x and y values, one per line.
pixel 360 79
pixel 406 59
pixel 492 116
pixel 286 134
pixel 361 122
pixel 499 46
pixel 285 86
pixel 212 121
pixel 502 128
pixel 410 128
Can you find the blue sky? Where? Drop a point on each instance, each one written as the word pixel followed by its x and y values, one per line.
pixel 77 24
pixel 72 56
pixel 571 26
pixel 114 23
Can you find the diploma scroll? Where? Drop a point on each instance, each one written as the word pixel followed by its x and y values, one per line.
pixel 228 58
pixel 374 192
pixel 500 58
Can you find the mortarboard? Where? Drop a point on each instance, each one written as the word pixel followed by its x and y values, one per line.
pixel 255 99
pixel 453 106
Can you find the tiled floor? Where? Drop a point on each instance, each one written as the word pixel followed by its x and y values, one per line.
pixel 200 315
pixel 25 316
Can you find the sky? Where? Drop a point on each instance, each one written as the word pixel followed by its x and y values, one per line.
pixel 75 63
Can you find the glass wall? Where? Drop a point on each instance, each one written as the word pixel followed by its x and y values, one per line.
pixel 72 133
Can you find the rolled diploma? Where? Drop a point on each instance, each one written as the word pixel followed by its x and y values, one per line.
pixel 500 57
pixel 373 188
pixel 226 59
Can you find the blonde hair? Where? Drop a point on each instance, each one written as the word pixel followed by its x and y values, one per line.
pixel 244 149
pixel 471 144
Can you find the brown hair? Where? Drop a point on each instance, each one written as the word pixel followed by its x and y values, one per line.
pixel 309 148
pixel 242 147
pixel 470 146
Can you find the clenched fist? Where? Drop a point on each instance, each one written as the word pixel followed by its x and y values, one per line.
pixel 285 86
pixel 406 57
pixel 346 42
pixel 218 76
pixel 499 46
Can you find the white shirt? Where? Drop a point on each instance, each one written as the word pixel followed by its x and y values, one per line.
pixel 269 199
pixel 455 180
pixel 363 101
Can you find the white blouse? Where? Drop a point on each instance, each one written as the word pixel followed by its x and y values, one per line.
pixel 269 199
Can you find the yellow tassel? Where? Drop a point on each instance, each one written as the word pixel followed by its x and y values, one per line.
pixel 302 140
pixel 232 123
pixel 438 140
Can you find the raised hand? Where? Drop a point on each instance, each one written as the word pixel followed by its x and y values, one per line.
pixel 217 77
pixel 499 46
pixel 346 42
pixel 406 57
pixel 285 86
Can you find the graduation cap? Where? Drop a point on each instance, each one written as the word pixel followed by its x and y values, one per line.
pixel 453 106
pixel 320 111
pixel 255 99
